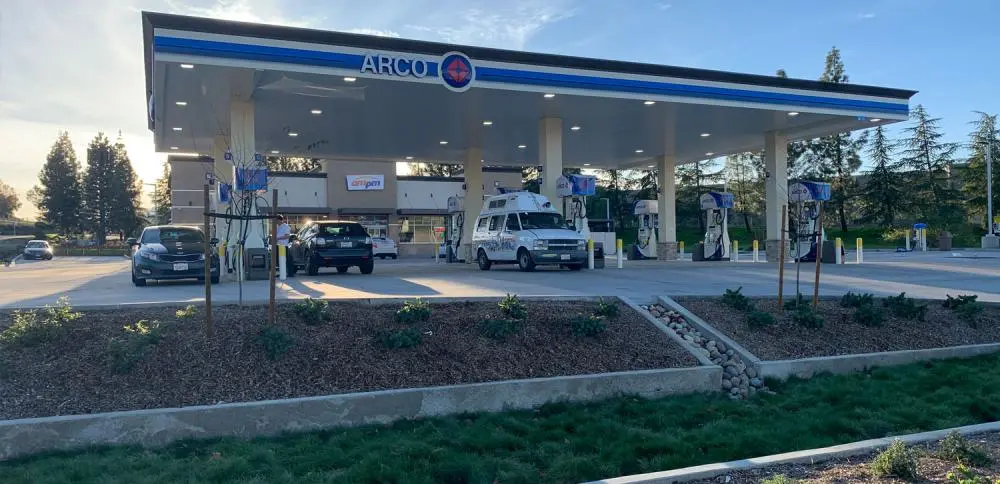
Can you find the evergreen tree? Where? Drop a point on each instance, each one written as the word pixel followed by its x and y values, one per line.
pixel 59 195
pixel 985 135
pixel 435 169
pixel 795 149
pixel 745 180
pixel 126 208
pixel 99 186
pixel 9 201
pixel 161 197
pixel 617 187
pixel 931 160
pixel 647 185
pixel 883 194
pixel 694 179
pixel 531 179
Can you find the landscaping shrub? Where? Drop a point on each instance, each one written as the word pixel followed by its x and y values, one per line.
pixel 588 325
pixel 189 312
pixel 737 300
pixel 796 303
pixel 854 300
pixel 904 307
pixel 759 319
pixel 970 313
pixel 128 349
pixel 35 327
pixel 415 311
pixel 499 328
pixel 958 301
pixel 312 311
pixel 868 315
pixel 607 309
pixel 512 307
pixel 963 475
pixel 779 479
pixel 275 341
pixel 400 338
pixel 895 461
pixel 956 448
pixel 805 316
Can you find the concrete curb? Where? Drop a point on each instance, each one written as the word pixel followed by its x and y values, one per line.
pixel 690 348
pixel 812 456
pixel 807 367
pixel 708 329
pixel 19 438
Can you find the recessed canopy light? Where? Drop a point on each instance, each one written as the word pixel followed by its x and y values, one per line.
pixel 274 152
pixel 638 151
pixel 706 135
pixel 586 164
pixel 292 134
pixel 521 147
pixel 173 147
pixel 549 95
pixel 409 157
pixel 650 166
pixel 875 120
pixel 178 128
pixel 316 111
pixel 487 123
pixel 649 103
pixel 575 128
pixel 181 103
pixel 350 79
pixel 793 113
pixel 187 66
pixel 709 153
pixel 442 142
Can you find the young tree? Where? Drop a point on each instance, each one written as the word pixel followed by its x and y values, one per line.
pixel 126 208
pixel 882 196
pixel 9 201
pixel 985 136
pixel 59 195
pixel 161 196
pixel 931 160
pixel 99 185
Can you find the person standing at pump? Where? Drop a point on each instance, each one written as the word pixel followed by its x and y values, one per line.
pixel 284 240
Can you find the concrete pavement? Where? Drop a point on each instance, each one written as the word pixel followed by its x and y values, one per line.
pixel 105 280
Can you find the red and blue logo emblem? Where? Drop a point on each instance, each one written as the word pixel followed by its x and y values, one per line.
pixel 457 71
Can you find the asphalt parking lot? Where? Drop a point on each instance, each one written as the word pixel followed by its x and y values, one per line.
pixel 105 280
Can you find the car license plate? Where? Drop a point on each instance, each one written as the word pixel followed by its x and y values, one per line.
pixel 347 244
pixel 564 257
pixel 181 266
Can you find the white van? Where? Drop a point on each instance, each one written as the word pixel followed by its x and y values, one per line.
pixel 524 228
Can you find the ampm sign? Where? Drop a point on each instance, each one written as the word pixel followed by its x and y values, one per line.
pixel 365 182
pixel 455 68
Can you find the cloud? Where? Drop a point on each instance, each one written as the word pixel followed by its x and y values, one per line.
pixel 866 16
pixel 663 6
pixel 380 33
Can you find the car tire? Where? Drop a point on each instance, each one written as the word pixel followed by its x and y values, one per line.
pixel 381 256
pixel 342 269
pixel 138 282
pixel 367 267
pixel 524 261
pixel 215 279
pixel 574 267
pixel 483 260
pixel 47 257
pixel 311 268
pixel 393 256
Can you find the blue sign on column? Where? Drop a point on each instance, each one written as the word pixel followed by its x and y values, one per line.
pixel 257 157
pixel 228 156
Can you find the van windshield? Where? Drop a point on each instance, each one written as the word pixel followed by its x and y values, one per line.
pixel 541 220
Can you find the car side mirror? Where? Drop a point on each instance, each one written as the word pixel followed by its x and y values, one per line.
pixel 214 241
pixel 131 242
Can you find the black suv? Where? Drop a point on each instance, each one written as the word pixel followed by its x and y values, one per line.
pixel 332 244
pixel 171 252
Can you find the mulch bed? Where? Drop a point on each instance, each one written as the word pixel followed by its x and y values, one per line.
pixel 840 335
pixel 72 374
pixel 856 469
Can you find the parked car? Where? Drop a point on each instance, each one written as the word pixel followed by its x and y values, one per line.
pixel 37 249
pixel 332 243
pixel 170 252
pixel 383 247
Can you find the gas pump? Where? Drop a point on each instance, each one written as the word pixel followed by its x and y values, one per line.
pixel 716 245
pixel 574 189
pixel 805 199
pixel 456 222
pixel 649 222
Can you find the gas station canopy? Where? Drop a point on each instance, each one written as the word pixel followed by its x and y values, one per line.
pixel 345 96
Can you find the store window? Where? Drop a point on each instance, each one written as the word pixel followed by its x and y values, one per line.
pixel 421 229
pixel 376 225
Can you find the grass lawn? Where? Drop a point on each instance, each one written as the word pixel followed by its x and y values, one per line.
pixel 565 443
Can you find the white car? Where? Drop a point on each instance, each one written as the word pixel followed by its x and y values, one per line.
pixel 383 247
pixel 38 249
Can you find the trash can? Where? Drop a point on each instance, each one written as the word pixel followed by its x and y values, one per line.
pixel 598 256
pixel 944 240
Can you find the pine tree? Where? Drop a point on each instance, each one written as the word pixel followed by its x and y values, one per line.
pixel 99 185
pixel 616 186
pixel 161 197
pixel 126 209
pixel 9 201
pixel 883 195
pixel 931 160
pixel 59 195
pixel 694 179
pixel 985 134
pixel 745 181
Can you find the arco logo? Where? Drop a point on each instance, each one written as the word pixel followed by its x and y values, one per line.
pixel 457 71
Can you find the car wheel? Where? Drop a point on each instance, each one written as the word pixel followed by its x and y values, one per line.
pixel 574 267
pixel 215 279
pixel 342 269
pixel 393 256
pixel 138 282
pixel 524 260
pixel 367 267
pixel 311 268
pixel 484 261
pixel 47 257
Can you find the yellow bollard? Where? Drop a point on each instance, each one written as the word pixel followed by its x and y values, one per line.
pixel 282 260
pixel 680 250
pixel 621 256
pixel 838 244
pixel 590 254
pixel 756 250
pixel 860 255
pixel 735 256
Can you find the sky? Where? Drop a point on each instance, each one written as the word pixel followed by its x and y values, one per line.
pixel 77 65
